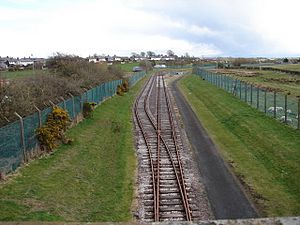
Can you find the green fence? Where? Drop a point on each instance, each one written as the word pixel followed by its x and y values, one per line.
pixel 18 139
pixel 283 107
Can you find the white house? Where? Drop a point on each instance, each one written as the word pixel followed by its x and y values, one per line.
pixel 25 62
pixel 155 58
pixel 97 59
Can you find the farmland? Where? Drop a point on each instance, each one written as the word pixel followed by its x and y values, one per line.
pixel 281 82
pixel 262 152
pixel 293 67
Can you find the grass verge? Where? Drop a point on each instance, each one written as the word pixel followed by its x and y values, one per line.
pixel 90 180
pixel 263 152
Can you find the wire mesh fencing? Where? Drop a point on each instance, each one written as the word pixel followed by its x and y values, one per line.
pixel 18 139
pixel 283 107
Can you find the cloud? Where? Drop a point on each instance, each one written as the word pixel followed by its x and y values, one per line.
pixel 215 27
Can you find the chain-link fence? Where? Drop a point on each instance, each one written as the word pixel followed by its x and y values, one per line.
pixel 18 139
pixel 283 107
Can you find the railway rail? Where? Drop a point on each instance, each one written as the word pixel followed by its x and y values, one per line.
pixel 166 191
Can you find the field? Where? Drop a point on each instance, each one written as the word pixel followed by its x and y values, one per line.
pixel 90 180
pixel 21 74
pixel 280 81
pixel 294 67
pixel 26 73
pixel 262 152
pixel 127 67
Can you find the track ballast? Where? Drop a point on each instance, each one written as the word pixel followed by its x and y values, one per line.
pixel 167 194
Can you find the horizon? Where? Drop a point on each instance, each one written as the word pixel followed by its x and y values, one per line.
pixel 219 28
pixel 157 54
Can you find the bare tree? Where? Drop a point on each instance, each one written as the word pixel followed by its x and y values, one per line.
pixel 170 53
pixel 150 53
pixel 143 54
pixel 134 54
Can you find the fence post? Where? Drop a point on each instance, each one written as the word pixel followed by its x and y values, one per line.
pixel 52 103
pixel 221 81
pixel 285 108
pixel 257 97
pixel 81 103
pixel 86 95
pixel 246 92
pixel 251 86
pixel 228 84
pixel 73 107
pixel 265 105
pixel 22 136
pixel 298 113
pixel 216 80
pixel 92 89
pixel 235 88
pixel 64 100
pixel 240 89
pixel 98 93
pixel 224 83
pixel 274 104
pixel 39 114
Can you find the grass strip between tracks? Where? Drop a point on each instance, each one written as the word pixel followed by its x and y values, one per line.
pixel 90 180
pixel 263 152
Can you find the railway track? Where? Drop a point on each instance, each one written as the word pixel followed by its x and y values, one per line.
pixel 166 191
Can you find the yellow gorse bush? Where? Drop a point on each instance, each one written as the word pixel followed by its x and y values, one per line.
pixel 53 131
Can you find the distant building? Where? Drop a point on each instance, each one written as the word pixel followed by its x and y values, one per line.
pixel 23 62
pixel 97 59
pixel 158 66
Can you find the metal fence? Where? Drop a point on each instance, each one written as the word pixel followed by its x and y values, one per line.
pixel 179 67
pixel 18 139
pixel 283 107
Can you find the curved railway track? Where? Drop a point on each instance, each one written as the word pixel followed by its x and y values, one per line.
pixel 166 193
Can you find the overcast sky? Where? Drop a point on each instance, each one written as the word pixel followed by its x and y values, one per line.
pixel 199 27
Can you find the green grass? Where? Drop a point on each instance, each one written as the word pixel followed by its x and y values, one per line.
pixel 294 67
pixel 90 180
pixel 20 74
pixel 263 152
pixel 127 67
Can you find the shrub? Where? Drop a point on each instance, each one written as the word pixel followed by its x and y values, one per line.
pixel 125 85
pixel 88 108
pixel 53 131
pixel 120 90
pixel 66 74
